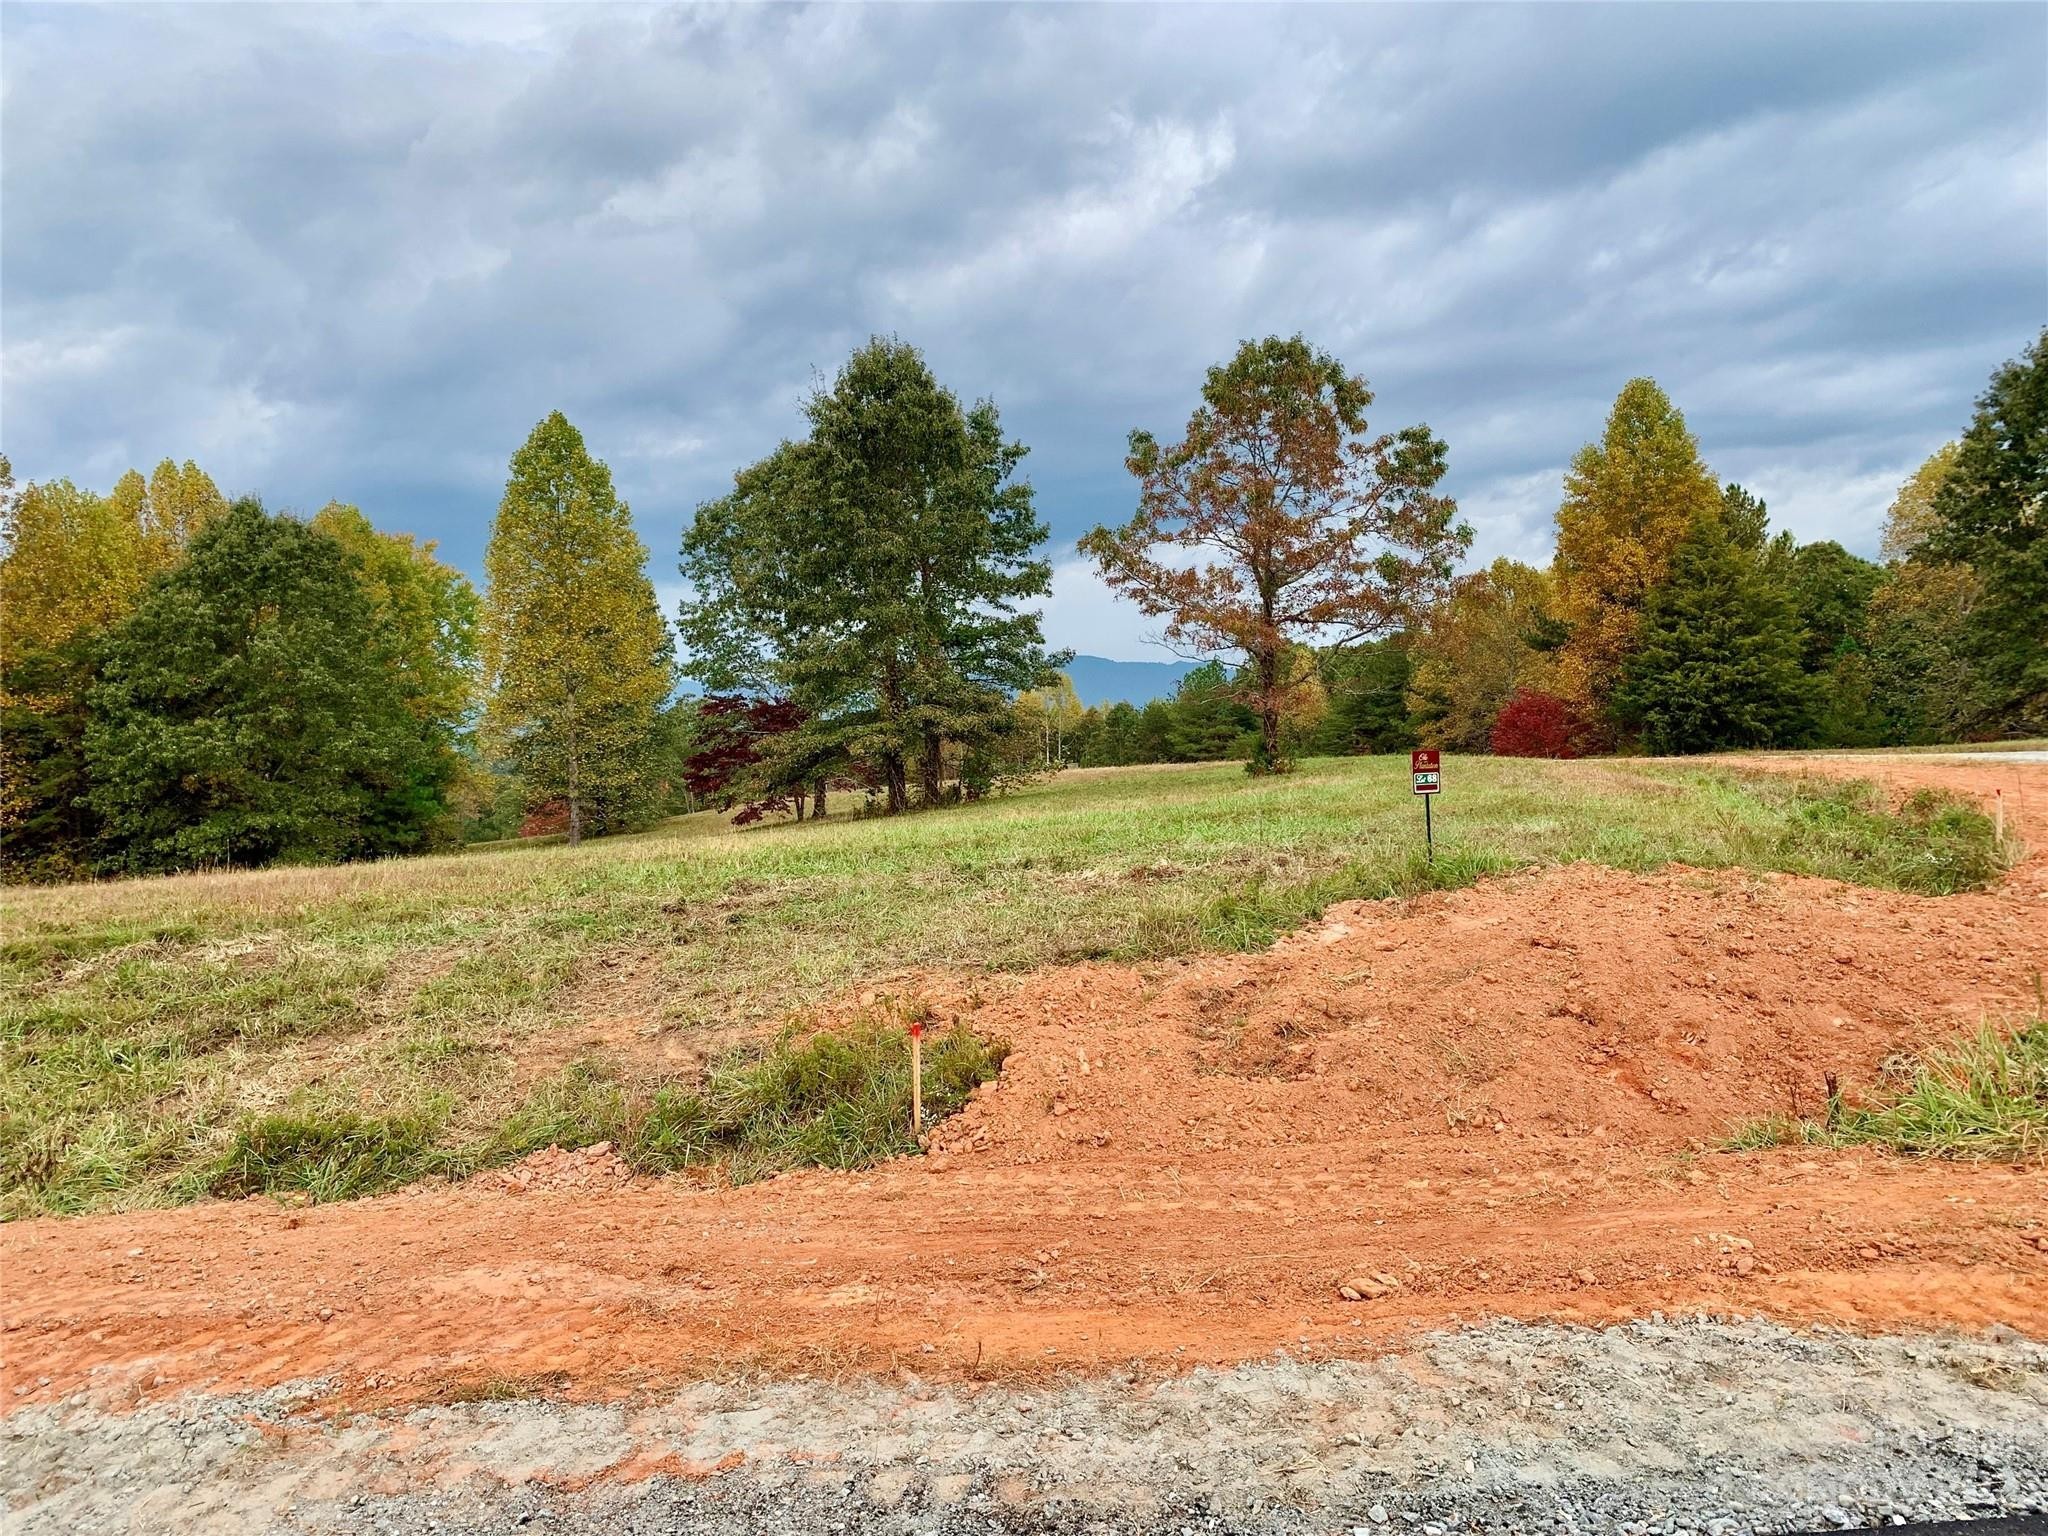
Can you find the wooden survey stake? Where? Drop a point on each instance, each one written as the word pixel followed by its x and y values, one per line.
pixel 916 1077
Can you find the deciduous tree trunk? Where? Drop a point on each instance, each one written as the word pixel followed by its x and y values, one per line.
pixel 931 767
pixel 575 805
pixel 818 799
pixel 1269 712
pixel 897 779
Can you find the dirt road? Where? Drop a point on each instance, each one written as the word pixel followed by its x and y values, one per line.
pixel 1508 1101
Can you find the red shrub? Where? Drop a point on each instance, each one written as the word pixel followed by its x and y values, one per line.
pixel 1533 724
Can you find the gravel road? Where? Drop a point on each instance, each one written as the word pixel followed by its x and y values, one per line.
pixel 1655 1426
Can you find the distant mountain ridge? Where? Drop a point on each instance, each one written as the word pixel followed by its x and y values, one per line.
pixel 1098 680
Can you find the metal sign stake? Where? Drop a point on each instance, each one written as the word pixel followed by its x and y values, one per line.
pixel 1426 778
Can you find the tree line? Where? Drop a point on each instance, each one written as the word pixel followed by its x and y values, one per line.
pixel 188 681
pixel 1671 619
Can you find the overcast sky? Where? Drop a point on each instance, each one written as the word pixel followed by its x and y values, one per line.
pixel 356 253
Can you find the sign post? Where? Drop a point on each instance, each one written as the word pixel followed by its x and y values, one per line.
pixel 1426 777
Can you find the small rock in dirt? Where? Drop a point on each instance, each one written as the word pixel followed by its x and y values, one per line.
pixel 1377 1514
pixel 1368 1287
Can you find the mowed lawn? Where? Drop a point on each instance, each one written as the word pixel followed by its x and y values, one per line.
pixel 147 1024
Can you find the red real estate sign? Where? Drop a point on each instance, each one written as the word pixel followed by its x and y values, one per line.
pixel 1426 770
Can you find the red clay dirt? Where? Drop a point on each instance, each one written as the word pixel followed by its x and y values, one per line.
pixel 1507 1101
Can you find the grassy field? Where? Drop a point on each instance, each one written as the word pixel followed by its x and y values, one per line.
pixel 159 1033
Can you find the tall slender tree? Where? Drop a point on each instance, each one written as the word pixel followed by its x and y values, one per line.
pixel 1628 501
pixel 1280 521
pixel 1924 683
pixel 577 659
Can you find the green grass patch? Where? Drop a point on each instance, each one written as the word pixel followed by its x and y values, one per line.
pixel 146 1025
pixel 1934 844
pixel 1983 1100
pixel 823 1099
pixel 334 1156
pixel 827 1099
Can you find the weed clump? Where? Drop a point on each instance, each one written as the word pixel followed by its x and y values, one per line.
pixel 829 1100
pixel 331 1156
pixel 1984 1100
pixel 1934 844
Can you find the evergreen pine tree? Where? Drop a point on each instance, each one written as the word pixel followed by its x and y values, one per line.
pixel 874 574
pixel 577 659
pixel 1715 659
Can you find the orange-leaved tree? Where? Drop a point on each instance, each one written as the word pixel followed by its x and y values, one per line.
pixel 1628 501
pixel 1279 522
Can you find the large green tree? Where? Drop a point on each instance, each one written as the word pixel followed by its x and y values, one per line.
pixel 244 712
pixel 1279 521
pixel 1991 514
pixel 1830 591
pixel 875 573
pixel 577 660
pixel 425 619
pixel 1628 501
pixel 427 614
pixel 1715 662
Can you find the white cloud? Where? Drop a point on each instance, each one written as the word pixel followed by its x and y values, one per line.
pixel 1083 615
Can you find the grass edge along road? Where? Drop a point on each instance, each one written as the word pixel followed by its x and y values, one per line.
pixel 1984 1099
pixel 151 1028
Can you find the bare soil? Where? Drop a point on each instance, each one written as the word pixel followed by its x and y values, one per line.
pixel 1503 1102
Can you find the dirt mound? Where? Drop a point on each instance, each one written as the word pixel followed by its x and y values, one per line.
pixel 1510 1100
pixel 1580 1002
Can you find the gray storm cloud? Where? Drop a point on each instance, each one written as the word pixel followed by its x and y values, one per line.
pixel 356 252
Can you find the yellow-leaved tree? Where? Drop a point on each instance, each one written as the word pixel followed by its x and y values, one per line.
pixel 1628 501
pixel 72 563
pixel 577 659
pixel 1494 635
